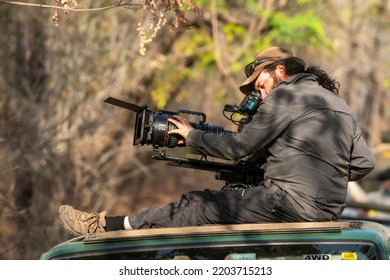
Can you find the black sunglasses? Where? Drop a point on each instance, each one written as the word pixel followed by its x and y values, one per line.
pixel 250 68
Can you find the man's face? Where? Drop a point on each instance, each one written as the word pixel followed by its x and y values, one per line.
pixel 267 81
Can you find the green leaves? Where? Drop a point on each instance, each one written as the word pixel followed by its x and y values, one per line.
pixel 304 27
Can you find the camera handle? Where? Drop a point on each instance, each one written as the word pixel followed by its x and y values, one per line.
pixel 203 115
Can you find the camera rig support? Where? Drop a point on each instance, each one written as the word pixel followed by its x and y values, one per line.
pixel 240 173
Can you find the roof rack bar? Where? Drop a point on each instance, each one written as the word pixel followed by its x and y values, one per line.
pixel 298 227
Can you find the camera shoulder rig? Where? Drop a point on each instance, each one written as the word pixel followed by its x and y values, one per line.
pixel 241 174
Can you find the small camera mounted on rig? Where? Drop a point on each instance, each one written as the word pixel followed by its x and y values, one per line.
pixel 248 107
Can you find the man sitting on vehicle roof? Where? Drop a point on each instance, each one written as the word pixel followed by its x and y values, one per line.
pixel 313 147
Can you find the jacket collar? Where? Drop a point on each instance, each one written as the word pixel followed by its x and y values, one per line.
pixel 298 77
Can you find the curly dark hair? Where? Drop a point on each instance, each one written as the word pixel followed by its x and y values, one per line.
pixel 295 65
pixel 324 79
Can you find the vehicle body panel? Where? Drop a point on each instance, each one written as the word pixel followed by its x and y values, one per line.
pixel 326 240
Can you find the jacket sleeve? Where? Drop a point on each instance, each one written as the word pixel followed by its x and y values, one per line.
pixel 362 158
pixel 266 125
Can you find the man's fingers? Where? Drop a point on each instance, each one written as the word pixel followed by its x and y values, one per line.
pixel 183 127
pixel 173 120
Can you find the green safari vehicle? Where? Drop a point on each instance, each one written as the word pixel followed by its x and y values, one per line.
pixel 337 240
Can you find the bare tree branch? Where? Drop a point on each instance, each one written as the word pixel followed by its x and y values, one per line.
pixel 128 4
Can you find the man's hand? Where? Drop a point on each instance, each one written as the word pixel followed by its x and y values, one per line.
pixel 183 127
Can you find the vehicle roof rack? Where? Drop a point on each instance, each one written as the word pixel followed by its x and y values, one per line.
pixel 293 227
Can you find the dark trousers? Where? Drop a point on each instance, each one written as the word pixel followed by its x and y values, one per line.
pixel 254 205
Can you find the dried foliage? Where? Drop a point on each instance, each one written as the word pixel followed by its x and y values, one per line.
pixel 157 15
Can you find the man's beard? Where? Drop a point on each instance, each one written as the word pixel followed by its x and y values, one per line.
pixel 276 80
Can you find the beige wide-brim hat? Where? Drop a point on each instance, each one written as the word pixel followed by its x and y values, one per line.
pixel 271 55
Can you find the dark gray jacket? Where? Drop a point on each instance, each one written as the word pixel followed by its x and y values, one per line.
pixel 313 144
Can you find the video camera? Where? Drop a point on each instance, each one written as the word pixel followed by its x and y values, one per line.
pixel 151 128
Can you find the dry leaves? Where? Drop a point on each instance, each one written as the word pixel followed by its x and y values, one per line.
pixel 155 17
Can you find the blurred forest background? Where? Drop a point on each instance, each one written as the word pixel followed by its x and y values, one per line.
pixel 61 144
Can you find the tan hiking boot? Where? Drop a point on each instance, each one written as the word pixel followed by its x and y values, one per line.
pixel 79 223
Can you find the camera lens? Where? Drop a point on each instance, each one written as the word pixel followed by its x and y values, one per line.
pixel 152 129
pixel 160 136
